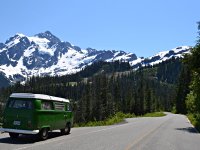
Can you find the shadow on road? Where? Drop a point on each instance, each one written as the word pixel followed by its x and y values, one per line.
pixel 188 129
pixel 27 139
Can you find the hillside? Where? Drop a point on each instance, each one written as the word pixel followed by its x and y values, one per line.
pixel 104 93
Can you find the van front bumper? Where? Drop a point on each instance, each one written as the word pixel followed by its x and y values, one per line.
pixel 19 131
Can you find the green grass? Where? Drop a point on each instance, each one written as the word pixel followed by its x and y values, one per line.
pixel 72 83
pixel 154 114
pixel 117 118
pixel 195 120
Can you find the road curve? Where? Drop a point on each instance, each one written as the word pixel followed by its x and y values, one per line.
pixel 172 132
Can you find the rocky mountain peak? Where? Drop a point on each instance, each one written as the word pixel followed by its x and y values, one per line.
pixel 49 36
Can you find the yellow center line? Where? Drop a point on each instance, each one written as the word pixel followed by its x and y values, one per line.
pixel 143 136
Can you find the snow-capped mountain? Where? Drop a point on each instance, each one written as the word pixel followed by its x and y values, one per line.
pixel 45 54
pixel 177 52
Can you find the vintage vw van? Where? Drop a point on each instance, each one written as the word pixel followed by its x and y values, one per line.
pixel 27 113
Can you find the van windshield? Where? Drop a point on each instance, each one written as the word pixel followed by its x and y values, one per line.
pixel 20 104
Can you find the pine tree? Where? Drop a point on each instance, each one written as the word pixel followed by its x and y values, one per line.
pixel 183 90
pixel 194 64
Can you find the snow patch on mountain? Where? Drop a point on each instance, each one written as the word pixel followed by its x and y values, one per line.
pixel 177 52
pixel 44 54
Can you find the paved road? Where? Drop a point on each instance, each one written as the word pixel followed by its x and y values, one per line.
pixel 172 132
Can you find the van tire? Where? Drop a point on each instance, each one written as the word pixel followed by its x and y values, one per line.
pixel 44 133
pixel 66 130
pixel 13 135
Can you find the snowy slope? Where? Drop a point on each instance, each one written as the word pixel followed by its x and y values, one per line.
pixel 44 54
pixel 177 52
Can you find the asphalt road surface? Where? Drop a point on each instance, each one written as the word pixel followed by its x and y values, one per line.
pixel 172 132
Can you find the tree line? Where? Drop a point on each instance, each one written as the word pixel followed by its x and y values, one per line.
pixel 101 91
pixel 188 93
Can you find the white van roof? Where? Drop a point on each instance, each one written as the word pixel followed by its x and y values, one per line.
pixel 38 96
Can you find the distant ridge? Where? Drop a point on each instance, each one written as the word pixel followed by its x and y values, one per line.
pixel 44 54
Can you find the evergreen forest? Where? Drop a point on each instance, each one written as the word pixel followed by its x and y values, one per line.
pixel 105 88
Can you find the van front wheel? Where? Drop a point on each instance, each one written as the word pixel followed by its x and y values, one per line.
pixel 67 129
pixel 14 135
pixel 44 133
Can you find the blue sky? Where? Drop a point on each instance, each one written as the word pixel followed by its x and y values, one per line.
pixel 143 27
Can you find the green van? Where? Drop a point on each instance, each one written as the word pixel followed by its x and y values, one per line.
pixel 27 113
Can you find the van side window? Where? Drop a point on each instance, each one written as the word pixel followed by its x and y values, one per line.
pixel 20 104
pixel 47 105
pixel 59 106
